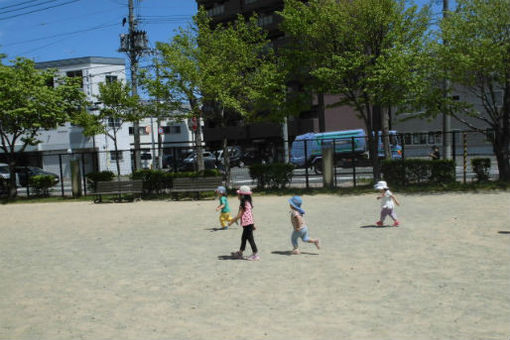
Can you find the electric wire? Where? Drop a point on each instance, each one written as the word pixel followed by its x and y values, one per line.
pixel 31 6
pixel 39 10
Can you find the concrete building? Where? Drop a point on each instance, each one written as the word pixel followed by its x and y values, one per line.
pixel 96 153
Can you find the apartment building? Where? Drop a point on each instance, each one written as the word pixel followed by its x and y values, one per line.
pixel 96 153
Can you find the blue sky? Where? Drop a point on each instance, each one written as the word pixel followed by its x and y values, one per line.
pixel 78 28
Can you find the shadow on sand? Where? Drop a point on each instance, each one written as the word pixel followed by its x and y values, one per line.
pixel 377 226
pixel 216 229
pixel 228 257
pixel 503 232
pixel 289 252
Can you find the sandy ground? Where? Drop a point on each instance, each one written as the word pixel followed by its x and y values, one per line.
pixel 160 270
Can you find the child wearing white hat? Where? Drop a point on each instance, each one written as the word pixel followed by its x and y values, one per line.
pixel 387 207
pixel 247 222
pixel 298 223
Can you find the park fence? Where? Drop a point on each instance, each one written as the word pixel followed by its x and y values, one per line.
pixel 351 166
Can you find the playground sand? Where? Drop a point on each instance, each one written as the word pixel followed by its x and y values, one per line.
pixel 161 270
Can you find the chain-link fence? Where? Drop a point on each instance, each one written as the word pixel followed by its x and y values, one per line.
pixel 350 159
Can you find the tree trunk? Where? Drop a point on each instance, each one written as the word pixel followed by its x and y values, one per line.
pixel 386 133
pixel 501 150
pixel 373 154
pixel 13 191
pixel 198 143
pixel 226 161
pixel 117 152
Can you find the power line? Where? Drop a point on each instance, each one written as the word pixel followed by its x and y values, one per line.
pixel 31 6
pixel 61 34
pixel 21 3
pixel 38 10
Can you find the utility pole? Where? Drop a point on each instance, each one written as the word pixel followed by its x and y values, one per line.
pixel 447 119
pixel 133 64
pixel 134 44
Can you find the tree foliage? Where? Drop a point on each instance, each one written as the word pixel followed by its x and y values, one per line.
pixel 475 56
pixel 29 103
pixel 365 51
pixel 228 67
pixel 117 106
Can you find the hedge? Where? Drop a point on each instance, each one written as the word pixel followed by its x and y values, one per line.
pixel 481 168
pixel 156 181
pixel 418 171
pixel 274 175
pixel 95 177
pixel 41 184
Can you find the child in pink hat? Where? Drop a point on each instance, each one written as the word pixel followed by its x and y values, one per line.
pixel 247 222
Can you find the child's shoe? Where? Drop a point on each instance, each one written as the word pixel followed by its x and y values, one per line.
pixel 253 257
pixel 396 224
pixel 379 223
pixel 237 254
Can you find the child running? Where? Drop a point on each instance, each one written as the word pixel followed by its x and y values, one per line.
pixel 225 216
pixel 387 207
pixel 246 217
pixel 298 222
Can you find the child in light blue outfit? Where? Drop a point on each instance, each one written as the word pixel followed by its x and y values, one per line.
pixel 298 223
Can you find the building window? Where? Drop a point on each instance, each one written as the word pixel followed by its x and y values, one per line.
pixel 73 74
pixel 110 79
pixel 265 19
pixel 218 9
pixel 419 138
pixel 116 156
pixel 174 129
pixel 114 122
pixel 142 130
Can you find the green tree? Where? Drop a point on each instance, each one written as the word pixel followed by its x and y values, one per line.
pixel 117 107
pixel 365 51
pixel 476 57
pixel 230 67
pixel 29 103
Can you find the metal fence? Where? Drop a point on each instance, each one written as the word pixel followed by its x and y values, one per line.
pixel 351 166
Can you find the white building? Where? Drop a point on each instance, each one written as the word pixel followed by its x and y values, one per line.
pixel 96 153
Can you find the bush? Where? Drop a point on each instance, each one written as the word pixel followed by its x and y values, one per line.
pixel 41 184
pixel 418 171
pixel 156 181
pixel 95 177
pixel 481 167
pixel 275 175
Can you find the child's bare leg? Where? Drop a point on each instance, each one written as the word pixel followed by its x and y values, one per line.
pixel 316 242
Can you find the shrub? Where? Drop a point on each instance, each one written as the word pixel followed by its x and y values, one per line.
pixel 275 175
pixel 481 167
pixel 94 177
pixel 156 181
pixel 41 184
pixel 259 172
pixel 418 171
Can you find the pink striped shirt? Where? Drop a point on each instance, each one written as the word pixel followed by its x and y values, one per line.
pixel 247 216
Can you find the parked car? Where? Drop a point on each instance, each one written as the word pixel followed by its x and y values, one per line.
pixel 189 163
pixel 4 177
pixel 235 156
pixel 25 172
pixel 4 171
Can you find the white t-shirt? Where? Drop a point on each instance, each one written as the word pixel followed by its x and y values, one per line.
pixel 387 201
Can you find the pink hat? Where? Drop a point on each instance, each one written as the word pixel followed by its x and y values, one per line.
pixel 244 190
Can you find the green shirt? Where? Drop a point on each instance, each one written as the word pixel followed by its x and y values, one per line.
pixel 224 202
